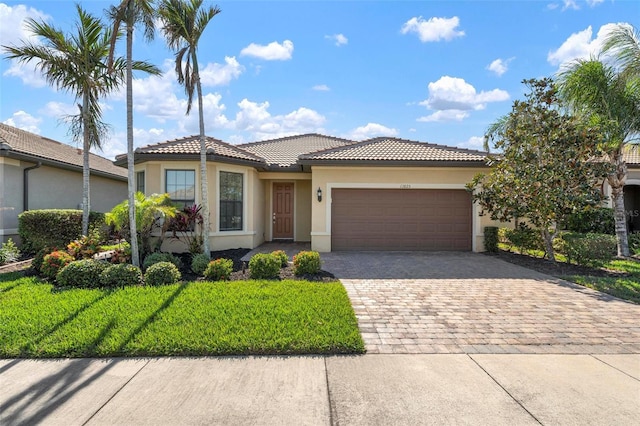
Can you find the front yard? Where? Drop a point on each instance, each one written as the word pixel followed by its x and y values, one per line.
pixel 194 318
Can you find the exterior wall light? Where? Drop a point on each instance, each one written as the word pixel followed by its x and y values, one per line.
pixel 319 194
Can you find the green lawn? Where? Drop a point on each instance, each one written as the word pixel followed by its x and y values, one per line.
pixel 627 287
pixel 198 318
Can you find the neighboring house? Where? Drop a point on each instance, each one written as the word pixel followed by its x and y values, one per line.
pixel 378 194
pixel 40 173
pixel 632 187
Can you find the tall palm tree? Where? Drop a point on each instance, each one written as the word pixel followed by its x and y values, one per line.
pixel 76 63
pixel 624 43
pixel 609 99
pixel 130 13
pixel 184 21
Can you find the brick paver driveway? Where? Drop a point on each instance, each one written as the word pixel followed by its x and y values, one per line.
pixel 410 302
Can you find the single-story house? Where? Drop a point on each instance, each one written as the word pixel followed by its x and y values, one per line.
pixel 39 173
pixel 378 194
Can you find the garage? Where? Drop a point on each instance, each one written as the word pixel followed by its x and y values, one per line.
pixel 401 219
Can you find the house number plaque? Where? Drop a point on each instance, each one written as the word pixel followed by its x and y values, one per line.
pixel 405 186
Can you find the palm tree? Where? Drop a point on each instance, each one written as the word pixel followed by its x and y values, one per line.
pixel 130 13
pixel 609 99
pixel 76 63
pixel 624 43
pixel 184 22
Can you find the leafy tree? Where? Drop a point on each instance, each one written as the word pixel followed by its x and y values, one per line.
pixel 624 43
pixel 546 169
pixel 151 213
pixel 130 13
pixel 76 63
pixel 183 25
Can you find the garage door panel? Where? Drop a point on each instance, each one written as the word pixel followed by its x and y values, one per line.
pixel 389 219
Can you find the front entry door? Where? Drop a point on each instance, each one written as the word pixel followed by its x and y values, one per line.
pixel 282 210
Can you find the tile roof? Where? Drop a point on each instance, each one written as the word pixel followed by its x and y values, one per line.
pixel 395 150
pixel 284 152
pixel 190 145
pixel 631 155
pixel 21 142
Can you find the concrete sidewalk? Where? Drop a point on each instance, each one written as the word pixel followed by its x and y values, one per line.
pixel 309 390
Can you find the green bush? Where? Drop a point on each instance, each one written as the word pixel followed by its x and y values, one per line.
pixel 306 263
pixel 86 246
pixel 523 238
pixel 36 263
pixel 491 239
pixel 589 249
pixel 634 242
pixel 54 228
pixel 219 269
pixel 199 263
pixel 54 262
pixel 9 252
pixel 282 256
pixel 264 266
pixel 599 220
pixel 156 257
pixel 84 273
pixel 120 275
pixel 162 273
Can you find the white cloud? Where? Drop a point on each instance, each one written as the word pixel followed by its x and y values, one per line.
pixel 255 118
pixel 579 45
pixel 474 142
pixel 215 74
pixel 273 51
pixel 116 144
pixel 59 109
pixel 25 121
pixel 433 29
pixel 570 4
pixel 371 130
pixel 594 3
pixel 339 39
pixel 452 98
pixel 321 88
pixel 499 66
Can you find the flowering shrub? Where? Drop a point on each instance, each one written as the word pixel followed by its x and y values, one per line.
pixel 36 263
pixel 219 269
pixel 264 266
pixel 306 262
pixel 162 273
pixel 54 262
pixel 282 256
pixel 84 273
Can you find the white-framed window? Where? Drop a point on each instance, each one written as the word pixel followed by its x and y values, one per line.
pixel 231 201
pixel 140 182
pixel 181 186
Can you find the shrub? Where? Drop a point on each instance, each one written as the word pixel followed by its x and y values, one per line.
pixel 9 252
pixel 491 239
pixel 634 242
pixel 199 263
pixel 219 269
pixel 54 228
pixel 36 263
pixel 84 273
pixel 121 274
pixel 121 255
pixel 306 263
pixel 599 220
pixel 162 273
pixel 156 257
pixel 524 238
pixel 54 262
pixel 85 247
pixel 589 249
pixel 282 256
pixel 264 266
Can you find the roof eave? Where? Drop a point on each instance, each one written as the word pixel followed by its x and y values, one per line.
pixel 395 163
pixel 142 157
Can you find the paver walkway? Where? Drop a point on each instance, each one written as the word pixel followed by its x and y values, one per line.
pixel 409 302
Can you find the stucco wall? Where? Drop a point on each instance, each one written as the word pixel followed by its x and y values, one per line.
pixel 10 198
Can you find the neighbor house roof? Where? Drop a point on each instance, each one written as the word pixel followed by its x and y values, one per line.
pixel 631 155
pixel 394 151
pixel 27 146
pixel 284 152
pixel 189 148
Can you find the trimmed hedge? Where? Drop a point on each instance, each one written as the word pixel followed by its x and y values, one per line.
pixel 53 228
pixel 54 262
pixel 162 273
pixel 599 220
pixel 158 257
pixel 282 255
pixel 306 263
pixel 219 269
pixel 264 266
pixel 83 273
pixel 121 274
pixel 588 249
pixel 199 263
pixel 491 239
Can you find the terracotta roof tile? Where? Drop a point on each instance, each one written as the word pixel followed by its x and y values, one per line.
pixel 394 149
pixel 284 152
pixel 27 143
pixel 631 155
pixel 190 145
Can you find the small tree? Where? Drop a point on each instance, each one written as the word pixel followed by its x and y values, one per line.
pixel 549 167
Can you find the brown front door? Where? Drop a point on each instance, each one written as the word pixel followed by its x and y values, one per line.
pixel 282 210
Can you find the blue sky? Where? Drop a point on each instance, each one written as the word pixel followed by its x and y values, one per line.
pixel 433 71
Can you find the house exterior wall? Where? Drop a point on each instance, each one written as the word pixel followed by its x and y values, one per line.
pixel 329 177
pixel 50 188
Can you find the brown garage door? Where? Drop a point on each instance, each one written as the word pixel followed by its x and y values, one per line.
pixel 400 219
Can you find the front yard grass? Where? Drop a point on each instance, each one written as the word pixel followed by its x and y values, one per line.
pixel 625 287
pixel 195 318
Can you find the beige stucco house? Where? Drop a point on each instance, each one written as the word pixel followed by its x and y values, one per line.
pixel 40 173
pixel 337 194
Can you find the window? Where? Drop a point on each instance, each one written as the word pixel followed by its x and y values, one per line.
pixel 230 201
pixel 140 182
pixel 181 186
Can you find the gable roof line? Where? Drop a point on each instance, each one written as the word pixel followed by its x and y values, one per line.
pixel 286 138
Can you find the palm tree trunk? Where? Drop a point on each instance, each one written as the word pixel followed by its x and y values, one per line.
pixel 86 146
pixel 204 184
pixel 135 254
pixel 616 181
